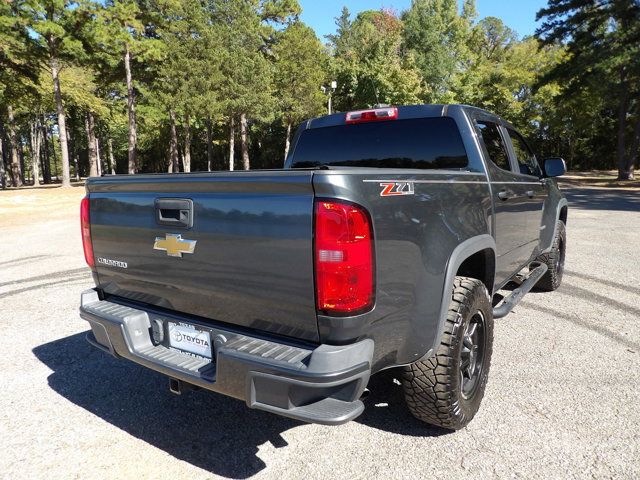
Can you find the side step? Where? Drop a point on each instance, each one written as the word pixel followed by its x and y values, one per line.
pixel 510 301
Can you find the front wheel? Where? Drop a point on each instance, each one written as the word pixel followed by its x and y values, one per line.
pixel 446 389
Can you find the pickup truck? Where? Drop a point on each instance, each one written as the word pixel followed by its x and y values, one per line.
pixel 382 244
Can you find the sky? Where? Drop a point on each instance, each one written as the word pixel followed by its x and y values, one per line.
pixel 519 15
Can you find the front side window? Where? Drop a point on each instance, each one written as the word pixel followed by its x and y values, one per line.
pixel 495 146
pixel 527 163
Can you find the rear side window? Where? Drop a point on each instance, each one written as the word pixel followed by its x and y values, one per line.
pixel 495 146
pixel 413 143
pixel 527 162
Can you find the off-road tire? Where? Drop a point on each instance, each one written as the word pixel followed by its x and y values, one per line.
pixel 554 259
pixel 433 387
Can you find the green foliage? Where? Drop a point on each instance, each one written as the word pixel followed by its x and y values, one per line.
pixel 188 74
pixel 300 68
pixel 80 89
pixel 603 61
pixel 436 34
pixel 368 64
pixel 53 25
pixel 247 73
pixel 18 71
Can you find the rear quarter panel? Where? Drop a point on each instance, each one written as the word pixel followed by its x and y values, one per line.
pixel 415 236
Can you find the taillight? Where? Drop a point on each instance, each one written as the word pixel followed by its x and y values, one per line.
pixel 343 258
pixel 375 115
pixel 85 226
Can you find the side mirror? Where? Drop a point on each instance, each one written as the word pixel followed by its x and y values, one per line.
pixel 554 167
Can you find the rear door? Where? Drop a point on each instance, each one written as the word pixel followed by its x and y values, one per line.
pixel 509 200
pixel 528 174
pixel 231 247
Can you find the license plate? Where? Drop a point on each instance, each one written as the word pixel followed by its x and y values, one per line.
pixel 189 339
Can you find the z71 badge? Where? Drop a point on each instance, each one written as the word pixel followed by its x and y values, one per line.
pixel 391 189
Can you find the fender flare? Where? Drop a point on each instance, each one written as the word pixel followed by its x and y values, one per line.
pixel 561 204
pixel 458 256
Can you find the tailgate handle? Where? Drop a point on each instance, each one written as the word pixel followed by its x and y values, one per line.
pixel 174 212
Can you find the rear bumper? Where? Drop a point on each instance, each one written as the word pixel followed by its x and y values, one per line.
pixel 319 385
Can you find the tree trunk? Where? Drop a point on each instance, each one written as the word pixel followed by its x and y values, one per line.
pixel 62 124
pixel 36 141
pixel 98 157
pixel 572 149
pixel 623 106
pixel 173 144
pixel 287 141
pixel 131 107
pixel 186 159
pixel 16 173
pixel 41 162
pixel 244 142
pixel 232 141
pixel 21 157
pixel 46 168
pixel 55 155
pixel 3 181
pixel 89 125
pixel 635 149
pixel 112 161
pixel 209 145
pixel 74 156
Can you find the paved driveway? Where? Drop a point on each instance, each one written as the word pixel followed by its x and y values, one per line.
pixel 562 398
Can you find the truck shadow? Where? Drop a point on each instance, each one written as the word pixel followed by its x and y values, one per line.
pixel 211 431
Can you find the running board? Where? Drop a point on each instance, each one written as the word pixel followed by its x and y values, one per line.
pixel 509 302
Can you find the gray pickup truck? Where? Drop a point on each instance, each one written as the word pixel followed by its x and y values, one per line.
pixel 381 244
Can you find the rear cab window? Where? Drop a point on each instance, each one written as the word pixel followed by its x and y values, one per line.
pixel 421 143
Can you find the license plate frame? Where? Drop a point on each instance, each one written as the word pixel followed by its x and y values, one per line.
pixel 189 339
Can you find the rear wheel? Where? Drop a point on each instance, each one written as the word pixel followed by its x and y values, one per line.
pixel 446 389
pixel 554 259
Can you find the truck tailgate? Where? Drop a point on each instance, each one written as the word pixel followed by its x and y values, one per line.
pixel 252 263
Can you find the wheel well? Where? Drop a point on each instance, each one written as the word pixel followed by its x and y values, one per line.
pixel 480 265
pixel 563 215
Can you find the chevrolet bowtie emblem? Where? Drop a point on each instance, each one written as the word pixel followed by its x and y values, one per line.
pixel 174 245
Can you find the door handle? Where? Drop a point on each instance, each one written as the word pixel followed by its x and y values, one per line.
pixel 174 212
pixel 504 194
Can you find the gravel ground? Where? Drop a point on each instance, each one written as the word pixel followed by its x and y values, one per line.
pixel 561 400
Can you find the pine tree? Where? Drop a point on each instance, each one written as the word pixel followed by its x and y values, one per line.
pixel 301 63
pixel 436 34
pixel 118 32
pixel 603 44
pixel 371 68
pixel 53 26
pixel 247 30
pixel 18 76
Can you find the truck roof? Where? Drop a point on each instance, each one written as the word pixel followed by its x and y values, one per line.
pixel 404 112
